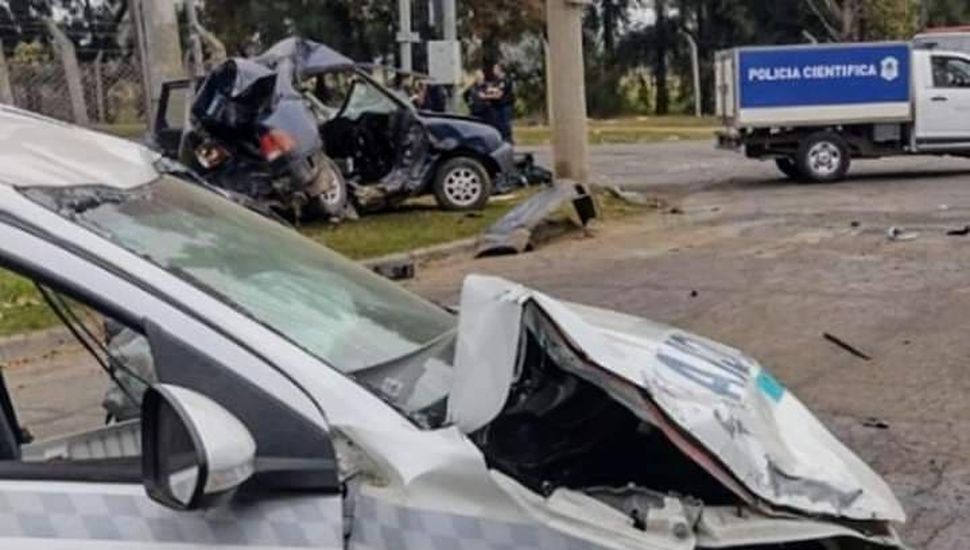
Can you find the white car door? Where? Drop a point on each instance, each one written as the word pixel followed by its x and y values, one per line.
pixel 84 490
pixel 943 111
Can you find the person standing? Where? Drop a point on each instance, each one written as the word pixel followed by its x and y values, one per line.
pixel 501 96
pixel 477 99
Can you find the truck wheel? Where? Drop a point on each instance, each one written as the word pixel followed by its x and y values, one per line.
pixel 823 157
pixel 789 167
pixel 462 183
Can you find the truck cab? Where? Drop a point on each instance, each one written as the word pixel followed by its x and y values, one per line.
pixel 814 109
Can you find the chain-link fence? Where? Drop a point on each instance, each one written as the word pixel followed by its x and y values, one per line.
pixel 113 89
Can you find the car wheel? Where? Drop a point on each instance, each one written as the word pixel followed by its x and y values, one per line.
pixel 823 157
pixel 789 167
pixel 462 183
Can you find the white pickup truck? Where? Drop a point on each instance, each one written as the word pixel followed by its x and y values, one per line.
pixel 815 108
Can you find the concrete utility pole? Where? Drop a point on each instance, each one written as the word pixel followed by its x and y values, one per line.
pixel 695 63
pixel 405 35
pixel 72 72
pixel 6 90
pixel 197 65
pixel 564 19
pixel 160 52
pixel 449 14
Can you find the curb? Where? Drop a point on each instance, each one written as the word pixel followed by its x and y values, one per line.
pixel 31 345
pixel 427 254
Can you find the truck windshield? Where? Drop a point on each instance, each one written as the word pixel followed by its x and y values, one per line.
pixel 328 305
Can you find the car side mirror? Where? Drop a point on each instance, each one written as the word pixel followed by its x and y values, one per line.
pixel 194 452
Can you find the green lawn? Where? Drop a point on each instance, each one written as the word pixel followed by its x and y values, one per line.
pixel 630 130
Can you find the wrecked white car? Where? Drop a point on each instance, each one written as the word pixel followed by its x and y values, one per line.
pixel 292 399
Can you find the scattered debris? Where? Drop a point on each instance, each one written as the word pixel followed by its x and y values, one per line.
pixel 396 270
pixel 675 210
pixel 875 424
pixel 513 233
pixel 693 294
pixel 900 234
pixel 944 207
pixel 631 197
pixel 962 232
pixel 854 351
pixel 855 224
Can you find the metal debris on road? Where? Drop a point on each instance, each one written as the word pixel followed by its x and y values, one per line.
pixel 900 234
pixel 875 423
pixel 842 344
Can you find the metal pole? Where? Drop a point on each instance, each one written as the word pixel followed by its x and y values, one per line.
pixel 161 53
pixel 197 67
pixel 6 90
pixel 568 89
pixel 450 24
pixel 404 35
pixel 696 69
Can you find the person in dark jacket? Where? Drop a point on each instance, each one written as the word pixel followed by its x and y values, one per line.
pixel 501 96
pixel 476 99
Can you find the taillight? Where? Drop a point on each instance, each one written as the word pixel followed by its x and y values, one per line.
pixel 275 143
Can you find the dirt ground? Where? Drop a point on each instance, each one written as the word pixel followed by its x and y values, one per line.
pixel 766 266
pixel 770 267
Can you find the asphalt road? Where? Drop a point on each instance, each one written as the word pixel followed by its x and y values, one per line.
pixel 695 165
pixel 769 266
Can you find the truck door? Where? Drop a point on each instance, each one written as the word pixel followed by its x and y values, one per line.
pixel 943 110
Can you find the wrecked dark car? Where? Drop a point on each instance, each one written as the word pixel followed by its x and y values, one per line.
pixel 251 133
pixel 387 150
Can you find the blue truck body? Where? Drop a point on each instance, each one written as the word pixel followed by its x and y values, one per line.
pixel 824 75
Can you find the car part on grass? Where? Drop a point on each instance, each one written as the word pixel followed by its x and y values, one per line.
pixel 396 270
pixel 513 233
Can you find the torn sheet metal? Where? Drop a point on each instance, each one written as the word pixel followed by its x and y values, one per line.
pixel 728 406
pixel 309 57
pixel 513 233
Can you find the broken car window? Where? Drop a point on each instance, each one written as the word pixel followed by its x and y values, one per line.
pixel 333 308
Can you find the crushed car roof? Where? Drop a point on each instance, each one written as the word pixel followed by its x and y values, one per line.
pixel 308 56
pixel 36 151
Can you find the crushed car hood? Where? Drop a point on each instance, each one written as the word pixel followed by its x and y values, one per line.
pixel 719 406
pixel 57 154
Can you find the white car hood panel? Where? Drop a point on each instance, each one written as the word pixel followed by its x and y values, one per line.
pixel 728 404
pixel 56 154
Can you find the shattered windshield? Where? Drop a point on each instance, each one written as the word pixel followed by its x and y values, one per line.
pixel 357 322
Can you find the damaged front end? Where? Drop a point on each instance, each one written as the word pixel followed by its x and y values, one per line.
pixel 630 434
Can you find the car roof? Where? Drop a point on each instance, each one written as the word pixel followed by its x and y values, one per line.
pixel 36 151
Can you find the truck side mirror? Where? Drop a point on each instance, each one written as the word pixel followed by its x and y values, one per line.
pixel 194 451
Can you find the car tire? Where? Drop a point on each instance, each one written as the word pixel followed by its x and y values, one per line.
pixel 823 157
pixel 789 168
pixel 462 183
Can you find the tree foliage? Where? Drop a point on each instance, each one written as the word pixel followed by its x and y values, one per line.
pixel 93 26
